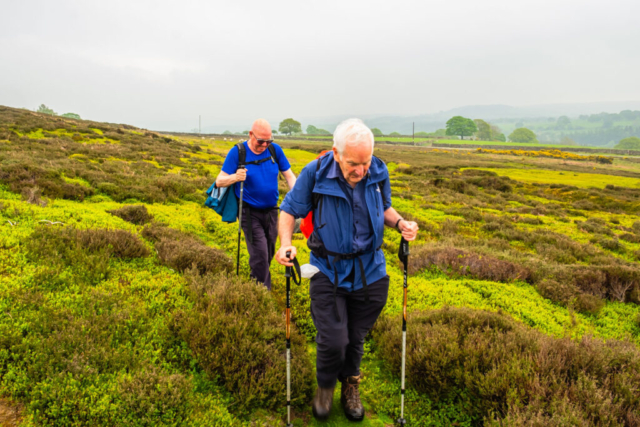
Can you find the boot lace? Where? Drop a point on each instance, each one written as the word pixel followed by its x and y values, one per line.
pixel 352 393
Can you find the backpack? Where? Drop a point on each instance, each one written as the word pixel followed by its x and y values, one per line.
pixel 223 201
pixel 306 225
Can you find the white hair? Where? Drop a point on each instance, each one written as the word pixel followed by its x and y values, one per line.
pixel 351 132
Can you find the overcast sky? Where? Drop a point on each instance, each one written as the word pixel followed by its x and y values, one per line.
pixel 159 64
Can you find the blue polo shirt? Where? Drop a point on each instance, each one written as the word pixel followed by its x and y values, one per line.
pixel 261 185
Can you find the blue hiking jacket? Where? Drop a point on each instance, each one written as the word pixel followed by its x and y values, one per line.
pixel 337 214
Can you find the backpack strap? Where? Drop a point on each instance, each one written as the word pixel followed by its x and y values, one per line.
pixel 316 199
pixel 242 154
pixel 274 157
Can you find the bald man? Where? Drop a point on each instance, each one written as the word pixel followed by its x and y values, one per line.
pixel 260 200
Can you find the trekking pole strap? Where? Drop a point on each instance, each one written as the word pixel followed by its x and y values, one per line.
pixel 293 272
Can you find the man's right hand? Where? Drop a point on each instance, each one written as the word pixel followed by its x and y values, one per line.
pixel 241 175
pixel 281 255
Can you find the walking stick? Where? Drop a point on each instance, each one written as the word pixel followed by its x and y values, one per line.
pixel 239 223
pixel 403 254
pixel 289 273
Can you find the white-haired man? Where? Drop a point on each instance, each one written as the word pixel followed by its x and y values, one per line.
pixel 349 192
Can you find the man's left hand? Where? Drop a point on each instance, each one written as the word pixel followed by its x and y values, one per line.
pixel 409 230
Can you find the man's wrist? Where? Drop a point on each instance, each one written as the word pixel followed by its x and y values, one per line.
pixel 397 226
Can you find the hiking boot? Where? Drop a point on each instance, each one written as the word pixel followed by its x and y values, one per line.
pixel 322 403
pixel 350 399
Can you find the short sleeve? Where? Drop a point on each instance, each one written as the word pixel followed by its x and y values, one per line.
pixel 283 163
pixel 230 165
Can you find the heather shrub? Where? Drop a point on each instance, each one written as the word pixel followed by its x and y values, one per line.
pixel 613 245
pixel 119 243
pixel 150 397
pixel 59 243
pixel 590 280
pixel 449 227
pixel 593 226
pixel 631 238
pixel 135 214
pixel 529 220
pixel 584 205
pixel 621 282
pixel 33 195
pixel 499 369
pixel 85 252
pixel 469 214
pixel 459 262
pixel 182 251
pixel 237 334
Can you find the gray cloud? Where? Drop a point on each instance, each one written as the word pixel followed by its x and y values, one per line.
pixel 161 64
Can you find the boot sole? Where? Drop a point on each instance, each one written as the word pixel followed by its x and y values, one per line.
pixel 319 417
pixel 352 418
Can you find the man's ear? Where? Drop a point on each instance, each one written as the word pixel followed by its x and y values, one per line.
pixel 336 156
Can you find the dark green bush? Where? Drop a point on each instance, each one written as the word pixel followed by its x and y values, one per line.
pixel 499 369
pixel 238 336
pixel 135 214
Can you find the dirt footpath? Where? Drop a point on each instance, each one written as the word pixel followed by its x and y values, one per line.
pixel 10 413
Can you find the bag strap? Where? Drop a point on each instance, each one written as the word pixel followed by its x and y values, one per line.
pixel 242 154
pixel 274 157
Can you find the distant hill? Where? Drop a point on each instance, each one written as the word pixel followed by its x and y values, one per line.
pixel 434 121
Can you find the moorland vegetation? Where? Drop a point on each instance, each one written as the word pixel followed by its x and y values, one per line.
pixel 120 306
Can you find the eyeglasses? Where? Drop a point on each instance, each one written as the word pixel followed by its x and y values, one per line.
pixel 262 141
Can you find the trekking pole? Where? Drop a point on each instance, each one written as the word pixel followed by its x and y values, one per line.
pixel 289 273
pixel 403 254
pixel 239 223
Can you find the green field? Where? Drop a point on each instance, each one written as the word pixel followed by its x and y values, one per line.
pixel 120 305
pixel 582 180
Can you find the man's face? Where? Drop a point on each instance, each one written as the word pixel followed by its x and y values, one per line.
pixel 354 161
pixel 258 136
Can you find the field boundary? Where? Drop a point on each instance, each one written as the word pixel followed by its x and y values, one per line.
pixel 542 147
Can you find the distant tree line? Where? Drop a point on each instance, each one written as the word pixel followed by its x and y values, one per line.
pixel 46 110
pixel 602 136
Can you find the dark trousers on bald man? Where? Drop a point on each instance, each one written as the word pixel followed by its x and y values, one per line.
pixel 260 228
pixel 341 342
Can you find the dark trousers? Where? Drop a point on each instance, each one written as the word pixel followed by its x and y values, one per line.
pixel 341 342
pixel 261 241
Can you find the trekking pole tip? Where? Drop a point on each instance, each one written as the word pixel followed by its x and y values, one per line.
pixel 401 422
